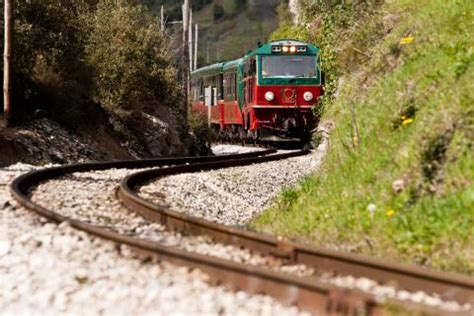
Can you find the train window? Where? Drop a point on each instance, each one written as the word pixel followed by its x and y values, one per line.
pixel 229 86
pixel 201 89
pixel 234 86
pixel 289 66
pixel 253 67
pixel 220 87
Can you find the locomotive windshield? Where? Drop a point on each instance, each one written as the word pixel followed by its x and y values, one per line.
pixel 289 66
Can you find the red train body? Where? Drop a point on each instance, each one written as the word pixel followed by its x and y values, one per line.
pixel 268 95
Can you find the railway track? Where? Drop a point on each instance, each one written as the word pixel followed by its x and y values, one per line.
pixel 309 293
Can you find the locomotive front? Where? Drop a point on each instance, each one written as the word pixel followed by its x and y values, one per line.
pixel 287 88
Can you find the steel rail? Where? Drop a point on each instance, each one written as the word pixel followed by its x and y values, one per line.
pixel 308 293
pixel 449 286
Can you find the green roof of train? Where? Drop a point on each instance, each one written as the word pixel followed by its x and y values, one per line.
pixel 265 49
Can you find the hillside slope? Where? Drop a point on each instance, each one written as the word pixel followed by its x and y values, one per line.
pixel 228 28
pixel 398 181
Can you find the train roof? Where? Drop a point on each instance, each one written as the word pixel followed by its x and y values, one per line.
pixel 210 70
pixel 217 68
pixel 265 49
pixel 233 64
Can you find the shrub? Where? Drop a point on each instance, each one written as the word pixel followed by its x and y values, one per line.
pixel 130 57
pixel 217 12
pixel 203 135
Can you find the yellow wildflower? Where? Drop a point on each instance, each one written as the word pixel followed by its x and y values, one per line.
pixel 407 40
pixel 403 117
pixel 407 121
pixel 390 213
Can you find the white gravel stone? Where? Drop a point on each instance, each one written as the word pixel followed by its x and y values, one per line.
pixel 224 149
pixel 231 196
pixel 54 269
pixel 90 197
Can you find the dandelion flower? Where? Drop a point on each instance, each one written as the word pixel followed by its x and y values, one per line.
pixel 407 121
pixel 407 40
pixel 390 213
pixel 371 207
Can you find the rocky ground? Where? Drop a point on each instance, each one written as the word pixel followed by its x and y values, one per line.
pixel 96 137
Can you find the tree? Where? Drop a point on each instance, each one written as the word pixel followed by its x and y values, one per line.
pixel 218 11
pixel 130 57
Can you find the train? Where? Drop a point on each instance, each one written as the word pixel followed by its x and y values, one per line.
pixel 267 96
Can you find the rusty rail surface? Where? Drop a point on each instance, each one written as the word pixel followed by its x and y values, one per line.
pixel 308 293
pixel 449 286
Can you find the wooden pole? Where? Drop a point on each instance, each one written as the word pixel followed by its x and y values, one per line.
pixel 7 62
pixel 162 19
pixel 185 61
pixel 196 38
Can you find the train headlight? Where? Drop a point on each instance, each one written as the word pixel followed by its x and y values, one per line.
pixel 269 96
pixel 308 96
pixel 285 49
pixel 292 49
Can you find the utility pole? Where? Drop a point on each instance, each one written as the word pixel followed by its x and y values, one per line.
pixel 185 69
pixel 196 38
pixel 190 40
pixel 162 19
pixel 7 61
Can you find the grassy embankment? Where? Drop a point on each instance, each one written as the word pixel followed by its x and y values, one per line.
pixel 398 179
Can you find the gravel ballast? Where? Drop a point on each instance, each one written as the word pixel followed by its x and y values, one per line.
pixel 51 269
pixel 98 267
pixel 231 196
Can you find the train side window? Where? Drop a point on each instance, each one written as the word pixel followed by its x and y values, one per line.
pixel 229 86
pixel 220 87
pixel 201 89
pixel 253 67
pixel 234 86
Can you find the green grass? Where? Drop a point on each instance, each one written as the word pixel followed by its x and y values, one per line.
pixel 429 81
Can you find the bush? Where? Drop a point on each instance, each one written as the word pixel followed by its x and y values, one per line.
pixel 203 135
pixel 130 57
pixel 217 12
pixel 48 55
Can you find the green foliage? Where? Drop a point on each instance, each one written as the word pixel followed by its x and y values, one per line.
pixel 49 49
pixel 418 77
pixel 130 58
pixel 199 127
pixel 217 11
pixel 75 51
pixel 286 29
pixel 331 25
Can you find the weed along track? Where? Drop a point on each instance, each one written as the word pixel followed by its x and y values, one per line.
pixel 315 280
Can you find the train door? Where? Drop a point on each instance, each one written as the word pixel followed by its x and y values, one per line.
pixel 249 73
pixel 209 101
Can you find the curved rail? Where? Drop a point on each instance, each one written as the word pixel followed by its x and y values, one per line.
pixel 412 278
pixel 308 293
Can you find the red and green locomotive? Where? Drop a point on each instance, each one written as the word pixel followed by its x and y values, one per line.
pixel 268 95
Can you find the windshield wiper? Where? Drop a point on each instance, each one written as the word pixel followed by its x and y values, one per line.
pixel 296 77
